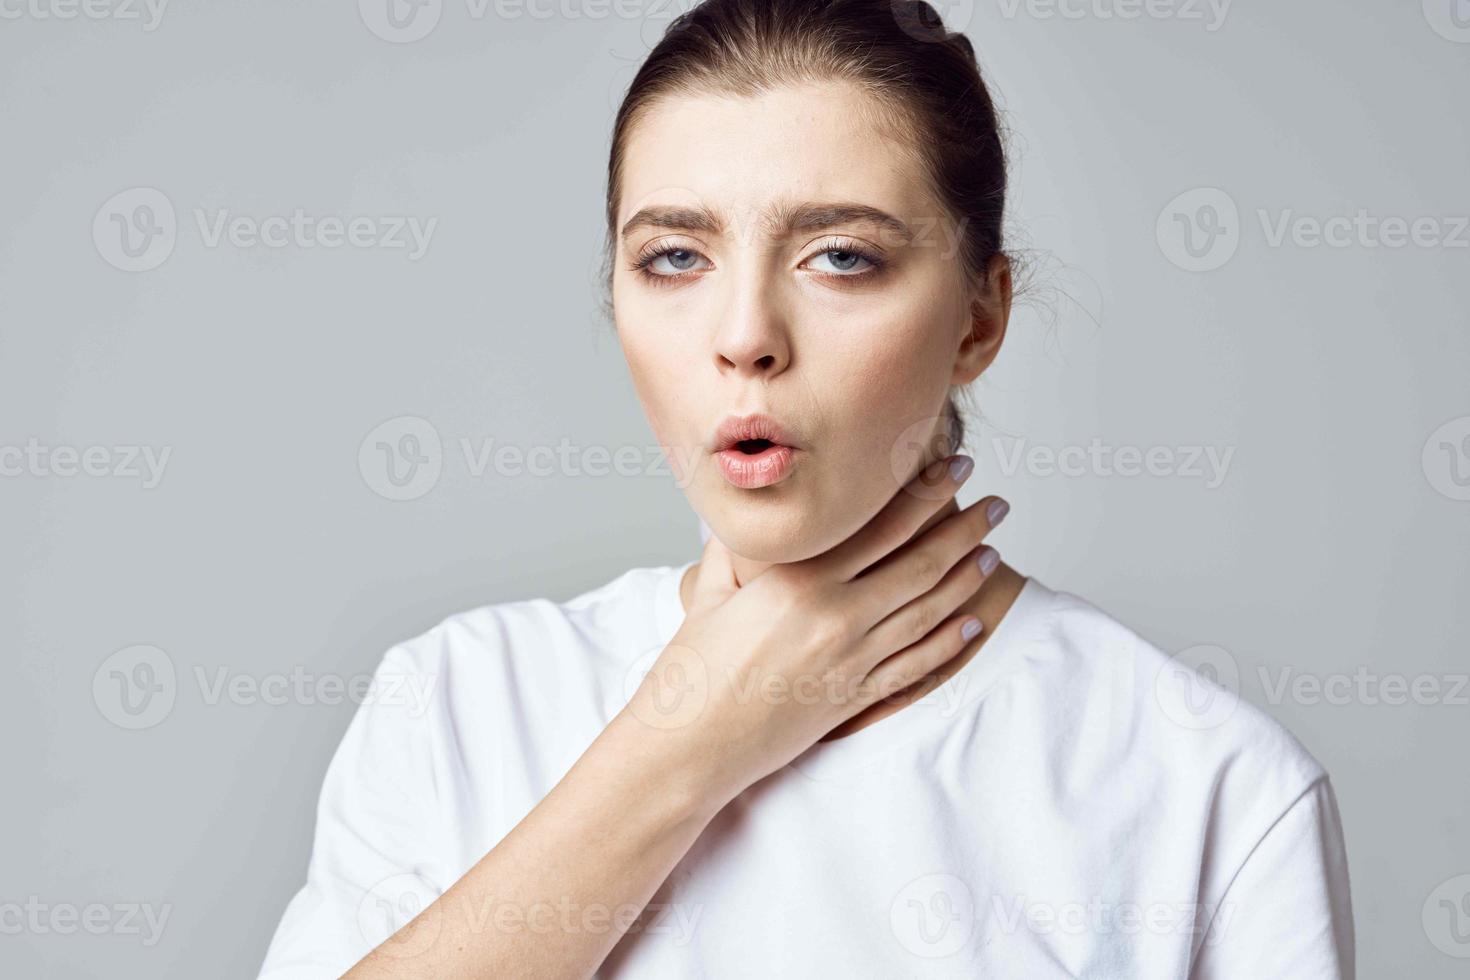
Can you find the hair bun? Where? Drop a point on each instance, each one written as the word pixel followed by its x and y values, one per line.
pixel 919 20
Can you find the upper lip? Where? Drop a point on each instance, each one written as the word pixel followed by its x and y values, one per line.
pixel 737 429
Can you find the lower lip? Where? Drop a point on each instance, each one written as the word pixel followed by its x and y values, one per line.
pixel 755 470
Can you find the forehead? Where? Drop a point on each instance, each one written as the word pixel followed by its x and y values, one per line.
pixel 742 156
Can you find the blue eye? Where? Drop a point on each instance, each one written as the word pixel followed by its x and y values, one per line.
pixel 671 264
pixel 680 259
pixel 844 259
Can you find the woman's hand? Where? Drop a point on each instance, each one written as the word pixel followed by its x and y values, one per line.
pixel 758 673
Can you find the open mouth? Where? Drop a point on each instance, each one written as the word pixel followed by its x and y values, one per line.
pixel 753 447
pixel 754 451
pixel 754 463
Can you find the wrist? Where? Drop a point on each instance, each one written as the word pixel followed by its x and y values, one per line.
pixel 669 762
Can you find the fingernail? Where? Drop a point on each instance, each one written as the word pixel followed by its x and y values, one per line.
pixel 971 629
pixel 997 512
pixel 989 558
pixel 960 467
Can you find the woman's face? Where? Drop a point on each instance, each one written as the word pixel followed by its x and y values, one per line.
pixel 759 295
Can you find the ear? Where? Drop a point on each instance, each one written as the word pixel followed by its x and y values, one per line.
pixel 988 313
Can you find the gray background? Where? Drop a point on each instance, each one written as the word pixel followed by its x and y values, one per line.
pixel 1336 546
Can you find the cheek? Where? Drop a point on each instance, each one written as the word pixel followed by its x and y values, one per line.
pixel 653 382
pixel 885 384
pixel 661 379
pixel 891 371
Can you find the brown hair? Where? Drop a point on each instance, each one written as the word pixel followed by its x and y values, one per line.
pixel 925 83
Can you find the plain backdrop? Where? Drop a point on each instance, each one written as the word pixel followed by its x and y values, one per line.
pixel 1169 169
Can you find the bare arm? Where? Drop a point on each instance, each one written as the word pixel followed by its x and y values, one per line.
pixel 589 856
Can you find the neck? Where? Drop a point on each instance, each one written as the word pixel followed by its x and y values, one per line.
pixel 989 604
pixel 747 569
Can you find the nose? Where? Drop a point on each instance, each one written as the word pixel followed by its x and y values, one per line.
pixel 753 339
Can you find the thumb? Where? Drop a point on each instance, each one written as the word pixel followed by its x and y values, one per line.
pixel 714 580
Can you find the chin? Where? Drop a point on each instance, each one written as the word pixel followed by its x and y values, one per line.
pixel 760 534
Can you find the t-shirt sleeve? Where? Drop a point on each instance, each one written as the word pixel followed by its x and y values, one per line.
pixel 373 864
pixel 1288 911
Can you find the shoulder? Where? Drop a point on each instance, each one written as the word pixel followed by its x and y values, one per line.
pixel 537 648
pixel 592 617
pixel 1172 720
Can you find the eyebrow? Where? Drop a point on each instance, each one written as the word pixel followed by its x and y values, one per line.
pixel 782 219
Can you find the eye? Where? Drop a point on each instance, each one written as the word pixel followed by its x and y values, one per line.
pixel 847 260
pixel 669 262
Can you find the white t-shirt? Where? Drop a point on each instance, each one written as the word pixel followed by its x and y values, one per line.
pixel 1071 803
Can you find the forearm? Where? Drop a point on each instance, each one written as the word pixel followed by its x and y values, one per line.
pixel 556 894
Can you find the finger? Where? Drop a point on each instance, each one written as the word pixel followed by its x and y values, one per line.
pixel 913 621
pixel 919 566
pixel 912 664
pixel 899 519
pixel 714 578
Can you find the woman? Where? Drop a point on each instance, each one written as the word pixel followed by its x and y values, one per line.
pixel 848 741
